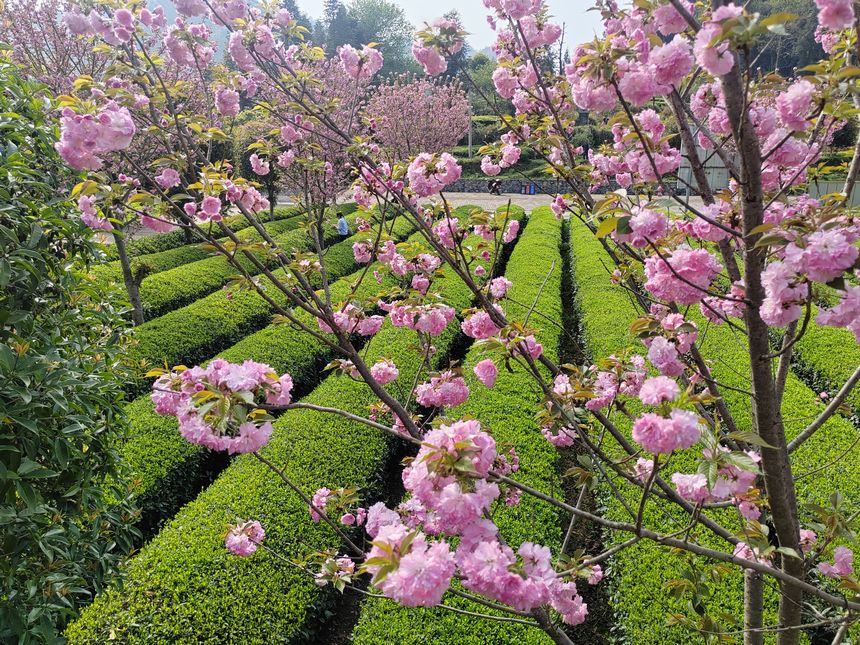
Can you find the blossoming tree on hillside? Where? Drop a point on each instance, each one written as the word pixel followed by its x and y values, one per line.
pixel 754 256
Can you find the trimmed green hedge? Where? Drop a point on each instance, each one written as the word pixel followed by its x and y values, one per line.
pixel 827 356
pixel 176 238
pixel 168 469
pixel 639 574
pixel 182 285
pixel 196 332
pixel 185 582
pixel 509 412
pixel 171 258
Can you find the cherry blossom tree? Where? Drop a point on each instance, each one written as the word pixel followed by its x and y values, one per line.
pixel 42 46
pixel 752 256
pixel 411 115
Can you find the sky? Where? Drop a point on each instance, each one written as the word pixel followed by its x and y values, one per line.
pixel 580 24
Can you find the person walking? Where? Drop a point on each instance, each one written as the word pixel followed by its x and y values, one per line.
pixel 342 226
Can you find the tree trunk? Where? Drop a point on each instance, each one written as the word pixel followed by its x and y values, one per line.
pixel 273 199
pixel 131 285
pixel 766 413
pixel 753 608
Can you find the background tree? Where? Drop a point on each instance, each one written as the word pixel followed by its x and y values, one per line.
pixel 298 15
pixel 42 46
pixel 796 49
pixel 482 93
pixel 60 388
pixel 385 23
pixel 412 115
pixel 340 28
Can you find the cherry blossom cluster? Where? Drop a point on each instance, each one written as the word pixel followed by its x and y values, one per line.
pixel 428 174
pixel 817 245
pixel 360 64
pixel 352 320
pixel 632 161
pixel 442 37
pixel 341 502
pixel 84 137
pixel 217 405
pixel 243 538
pixel 451 496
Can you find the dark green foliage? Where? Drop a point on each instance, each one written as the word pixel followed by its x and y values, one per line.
pixel 828 356
pixel 219 598
pixel 60 387
pixel 788 53
pixel 508 411
pixel 639 574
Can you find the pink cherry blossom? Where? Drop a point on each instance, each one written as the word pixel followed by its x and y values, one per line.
pixel 658 389
pixel 429 174
pixel 431 319
pixel 843 563
pixel 360 65
pixel 693 488
pixel 259 166
pixel 156 224
pixel 190 7
pixel 743 550
pixel 824 256
pixel 562 439
pixel 227 101
pixel 808 540
pixel 445 390
pixel 362 252
pixel 794 105
pixel 83 137
pixel 499 287
pixel 424 569
pixel 661 435
pixel 430 59
pixel 486 371
pixel 835 14
pixel 210 207
pixel 668 20
pixel 384 371
pixel 672 61
pixel 479 325
pixel 511 231
pixel 638 87
pixel 719 59
pixel 663 354
pixel 168 178
pixel 242 539
pixel 683 276
pixel 488 167
pixel 845 314
pixel 90 216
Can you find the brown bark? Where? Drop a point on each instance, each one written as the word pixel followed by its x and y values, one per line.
pixel 128 278
pixel 753 608
pixel 767 416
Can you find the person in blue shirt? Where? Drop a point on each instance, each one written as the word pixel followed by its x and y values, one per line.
pixel 342 226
